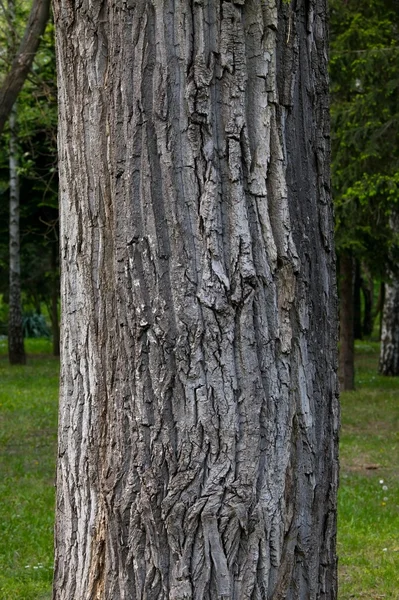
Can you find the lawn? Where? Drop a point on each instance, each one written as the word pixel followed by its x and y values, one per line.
pixel 368 532
pixel 28 423
pixel 368 526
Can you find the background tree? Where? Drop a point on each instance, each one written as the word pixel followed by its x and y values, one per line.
pixel 14 79
pixel 365 124
pixel 37 122
pixel 198 409
pixel 16 350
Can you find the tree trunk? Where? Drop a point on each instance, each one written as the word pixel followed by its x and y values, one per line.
pixel 368 296
pixel 198 409
pixel 16 350
pixel 346 313
pixel 389 352
pixel 357 303
pixel 23 59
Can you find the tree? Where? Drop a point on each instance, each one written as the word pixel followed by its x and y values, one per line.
pixel 16 350
pixel 38 187
pixel 198 407
pixel 365 129
pixel 389 351
pixel 21 65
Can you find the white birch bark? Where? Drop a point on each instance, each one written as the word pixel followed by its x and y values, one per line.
pixel 198 410
pixel 16 350
pixel 389 351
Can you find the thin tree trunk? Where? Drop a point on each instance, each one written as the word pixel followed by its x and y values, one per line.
pixel 16 350
pixel 198 409
pixel 346 311
pixel 368 296
pixel 23 59
pixel 357 303
pixel 389 352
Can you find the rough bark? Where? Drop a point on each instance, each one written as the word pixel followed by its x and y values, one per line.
pixel 198 409
pixel 16 349
pixel 389 352
pixel 22 62
pixel 346 329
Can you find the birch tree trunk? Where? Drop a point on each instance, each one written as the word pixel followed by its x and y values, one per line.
pixel 16 350
pixel 389 351
pixel 198 411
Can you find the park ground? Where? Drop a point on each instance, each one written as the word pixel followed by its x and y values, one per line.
pixel 368 530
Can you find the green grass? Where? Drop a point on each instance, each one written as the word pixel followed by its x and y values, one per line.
pixel 368 526
pixel 28 417
pixel 368 531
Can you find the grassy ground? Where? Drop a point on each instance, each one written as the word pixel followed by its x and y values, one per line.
pixel 28 415
pixel 368 536
pixel 368 528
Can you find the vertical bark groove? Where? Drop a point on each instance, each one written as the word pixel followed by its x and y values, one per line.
pixel 198 415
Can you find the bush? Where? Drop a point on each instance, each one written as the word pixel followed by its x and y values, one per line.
pixel 35 326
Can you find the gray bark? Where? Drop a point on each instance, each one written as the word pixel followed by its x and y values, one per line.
pixel 389 351
pixel 198 410
pixel 16 349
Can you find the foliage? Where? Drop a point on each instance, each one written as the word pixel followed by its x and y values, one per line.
pixel 35 326
pixel 37 122
pixel 368 546
pixel 28 414
pixel 365 125
pixel 3 316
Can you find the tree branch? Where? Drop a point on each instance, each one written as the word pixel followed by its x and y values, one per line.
pixel 23 60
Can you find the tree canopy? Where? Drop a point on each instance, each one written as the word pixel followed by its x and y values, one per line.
pixel 365 125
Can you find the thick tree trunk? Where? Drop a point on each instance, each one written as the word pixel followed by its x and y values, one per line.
pixel 346 316
pixel 16 350
pixel 389 353
pixel 198 410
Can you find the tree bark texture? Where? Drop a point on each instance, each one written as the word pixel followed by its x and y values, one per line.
pixel 346 319
pixel 198 410
pixel 389 352
pixel 16 349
